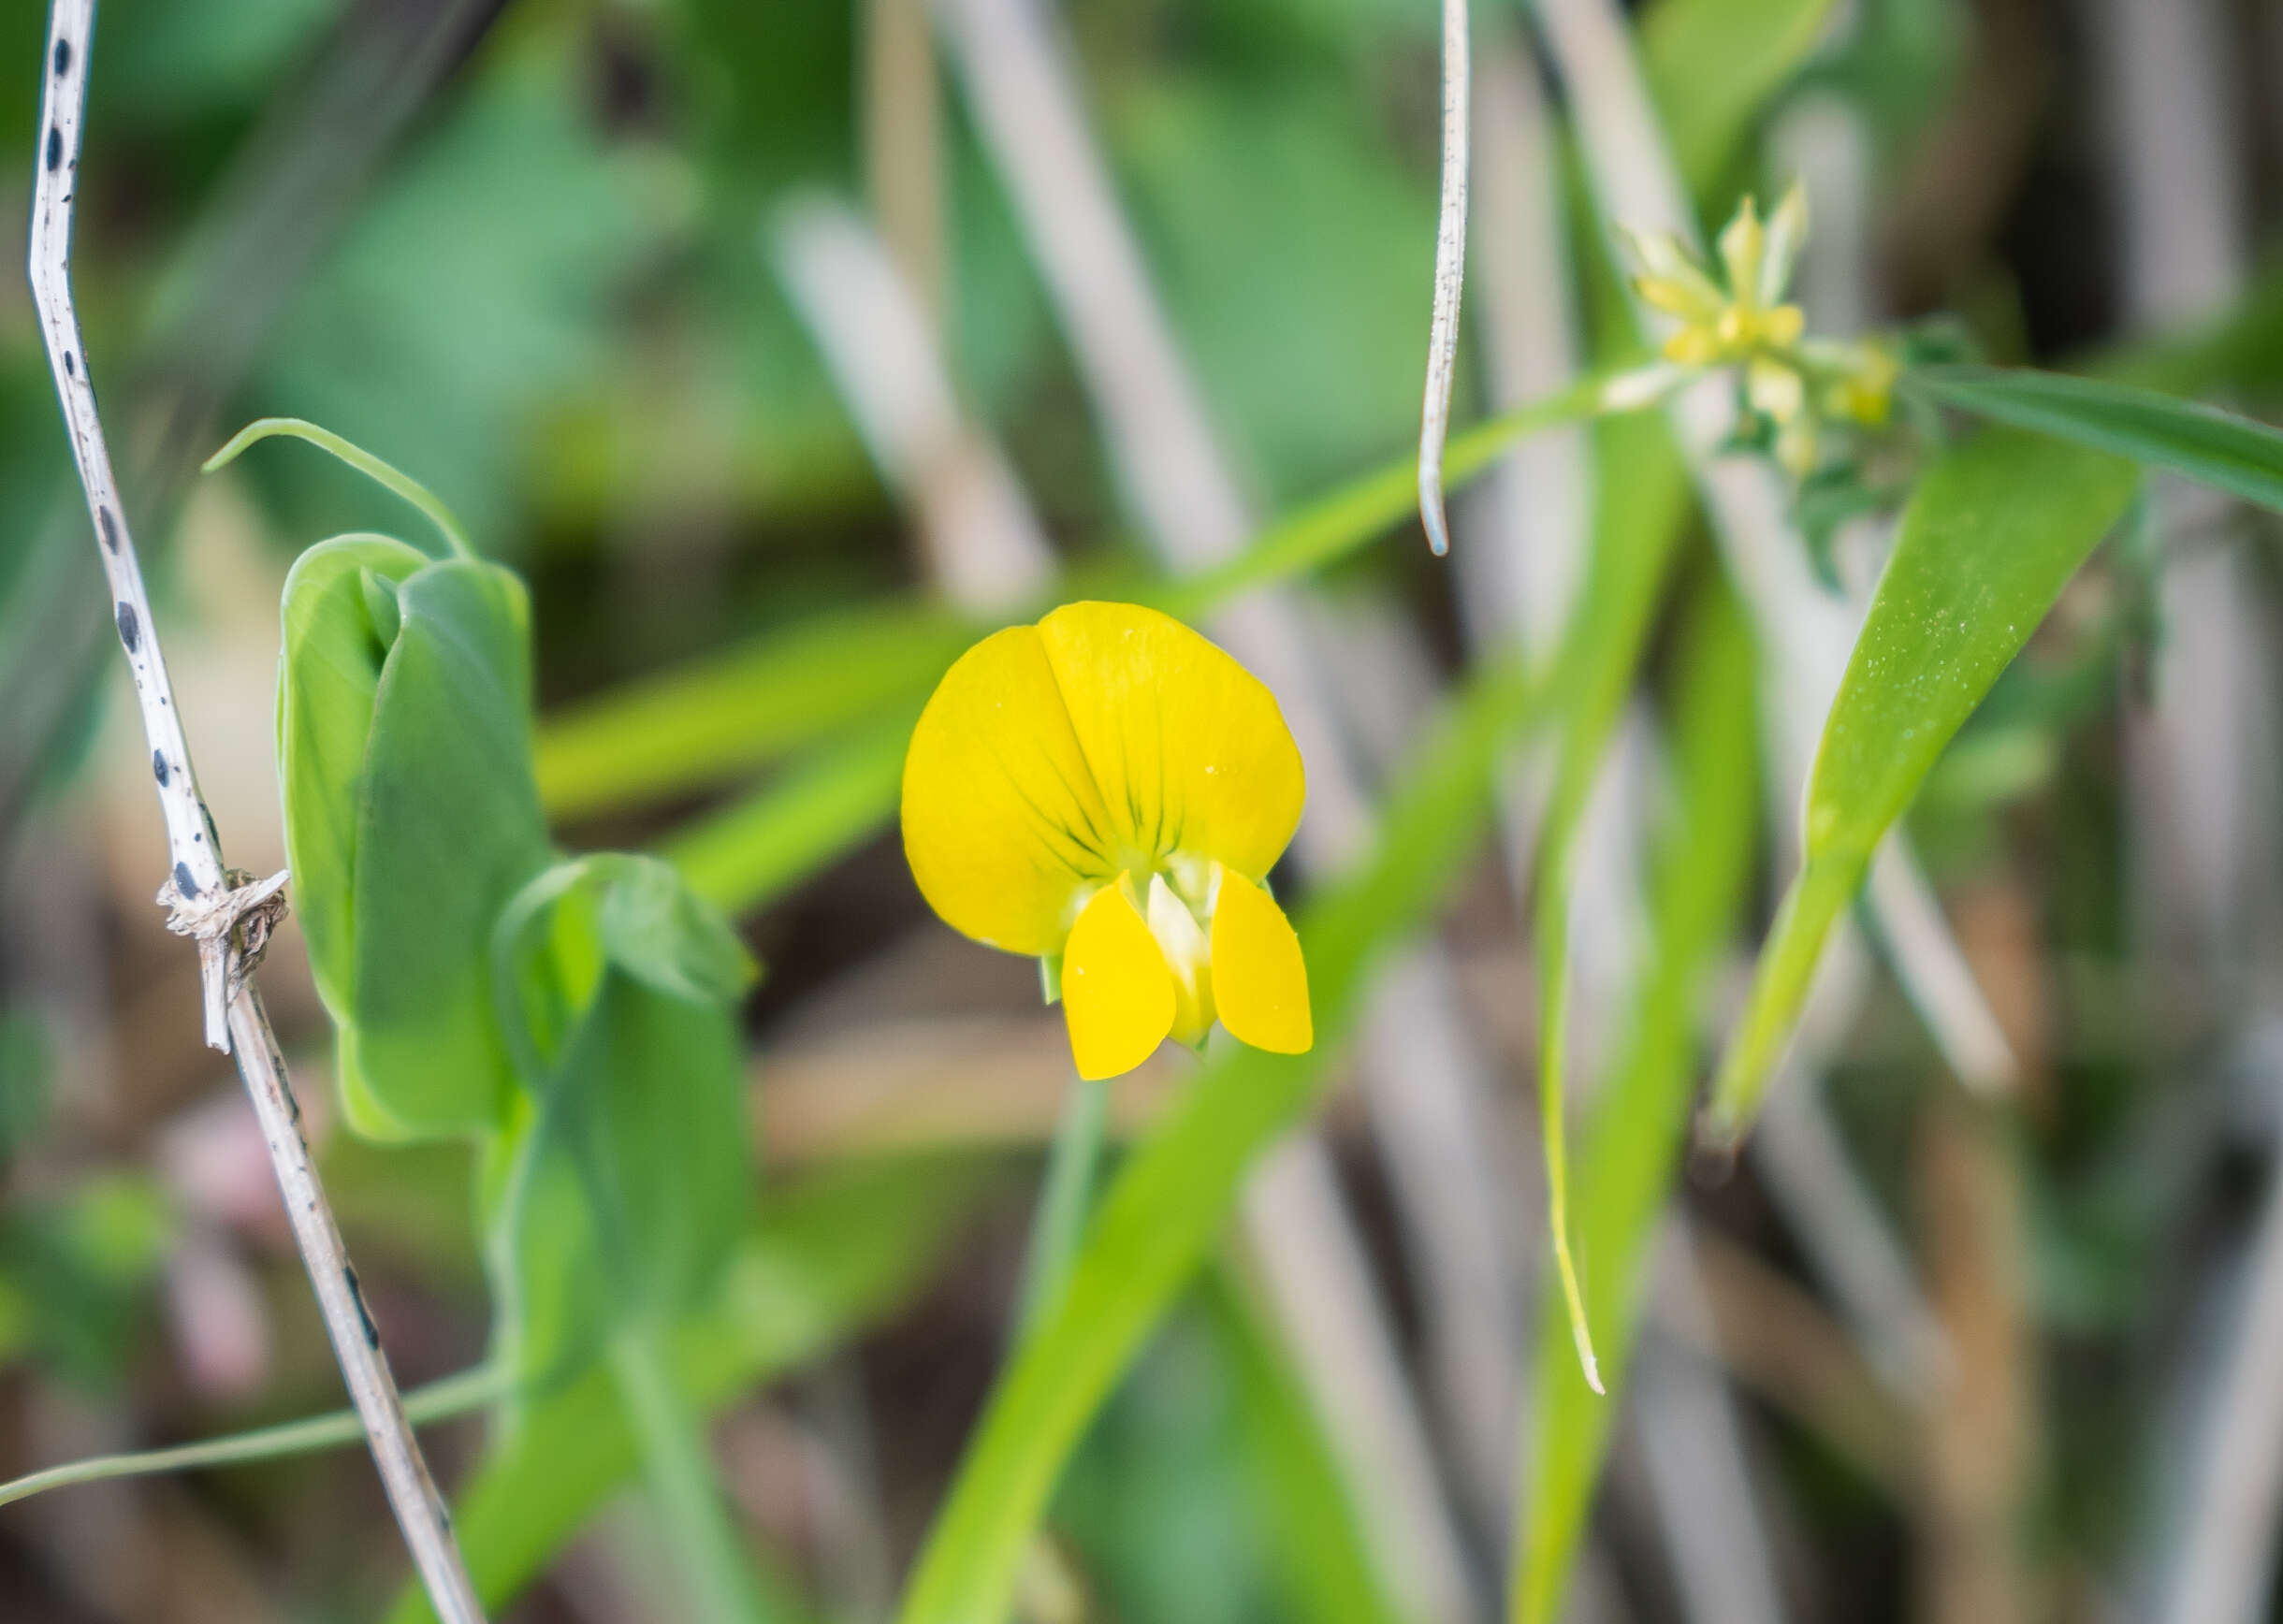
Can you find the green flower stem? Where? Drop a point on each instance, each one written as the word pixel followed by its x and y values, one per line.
pixel 695 1519
pixel 437 1401
pixel 1060 1221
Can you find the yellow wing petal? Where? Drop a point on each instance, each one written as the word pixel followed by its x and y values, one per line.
pixel 1260 980
pixel 1117 993
pixel 1188 748
pixel 1003 825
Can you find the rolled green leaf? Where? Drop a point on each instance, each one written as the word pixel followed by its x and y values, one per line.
pixel 404 750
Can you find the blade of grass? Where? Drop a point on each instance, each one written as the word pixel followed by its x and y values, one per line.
pixel 715 717
pixel 745 856
pixel 1631 1147
pixel 1637 537
pixel 1159 1217
pixel 1325 1565
pixel 1995 530
pixel 2227 452
pixel 439 1400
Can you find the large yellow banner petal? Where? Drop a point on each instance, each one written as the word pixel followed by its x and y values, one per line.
pixel 1189 749
pixel 1003 824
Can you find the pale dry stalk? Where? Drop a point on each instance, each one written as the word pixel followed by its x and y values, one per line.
pixel 227 913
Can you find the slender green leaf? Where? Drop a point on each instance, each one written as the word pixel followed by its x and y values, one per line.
pixel 1632 1142
pixel 1636 531
pixel 1157 1221
pixel 827 1258
pixel 716 717
pixel 1326 1568
pixel 2213 447
pixel 1994 532
pixel 747 854
pixel 1712 66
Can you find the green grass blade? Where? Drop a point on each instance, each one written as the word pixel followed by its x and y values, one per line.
pixel 826 1257
pixel 750 852
pixel 1637 527
pixel 716 717
pixel 684 729
pixel 2218 448
pixel 1712 66
pixel 1326 1570
pixel 1995 530
pixel 438 1400
pixel 1629 1151
pixel 1157 1221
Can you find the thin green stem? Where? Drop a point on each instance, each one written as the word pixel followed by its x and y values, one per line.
pixel 1064 1200
pixel 438 1401
pixel 695 1519
pixel 357 456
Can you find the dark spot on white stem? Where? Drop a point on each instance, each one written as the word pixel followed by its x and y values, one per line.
pixel 55 148
pixel 71 364
pixel 62 57
pixel 184 882
pixel 130 629
pixel 110 528
pixel 356 1295
pixel 158 768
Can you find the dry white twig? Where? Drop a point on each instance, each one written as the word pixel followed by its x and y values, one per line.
pixel 207 901
pixel 1449 277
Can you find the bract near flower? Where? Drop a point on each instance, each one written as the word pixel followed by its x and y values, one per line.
pixel 1109 788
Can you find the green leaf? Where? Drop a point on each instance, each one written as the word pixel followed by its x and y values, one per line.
pixel 728 713
pixel 731 713
pixel 1994 532
pixel 826 1257
pixel 411 817
pixel 1712 66
pixel 753 850
pixel 1157 1221
pixel 1636 531
pixel 1632 1144
pixel 622 1191
pixel 1325 1567
pixel 2213 447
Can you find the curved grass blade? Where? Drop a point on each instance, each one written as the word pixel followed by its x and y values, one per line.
pixel 1712 66
pixel 1637 527
pixel 1157 1221
pixel 2213 447
pixel 1995 530
pixel 702 723
pixel 746 856
pixel 1630 1148
pixel 439 1400
pixel 726 714
pixel 1325 1567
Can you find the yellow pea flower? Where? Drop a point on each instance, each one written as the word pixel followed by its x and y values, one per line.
pixel 1109 788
